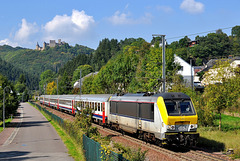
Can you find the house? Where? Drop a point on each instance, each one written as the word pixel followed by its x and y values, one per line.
pixel 77 83
pixel 186 70
pixel 211 77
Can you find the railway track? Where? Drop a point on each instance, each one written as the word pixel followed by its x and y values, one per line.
pixel 186 155
pixel 182 154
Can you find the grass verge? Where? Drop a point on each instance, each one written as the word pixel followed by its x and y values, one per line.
pixel 7 121
pixel 229 138
pixel 73 149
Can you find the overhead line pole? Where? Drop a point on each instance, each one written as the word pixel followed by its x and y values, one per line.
pixel 163 61
pixel 80 82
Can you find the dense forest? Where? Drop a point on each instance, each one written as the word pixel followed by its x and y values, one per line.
pixel 31 63
pixel 13 73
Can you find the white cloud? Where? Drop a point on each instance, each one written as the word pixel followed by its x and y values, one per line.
pixel 26 30
pixel 76 28
pixel 191 6
pixel 125 19
pixel 69 28
pixel 8 42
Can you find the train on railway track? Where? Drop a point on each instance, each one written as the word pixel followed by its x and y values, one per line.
pixel 163 118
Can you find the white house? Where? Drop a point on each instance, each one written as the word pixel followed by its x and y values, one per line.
pixel 186 70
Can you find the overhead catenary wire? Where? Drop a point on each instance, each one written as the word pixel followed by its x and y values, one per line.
pixel 199 33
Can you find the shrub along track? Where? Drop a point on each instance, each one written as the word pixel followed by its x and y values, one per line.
pixel 154 152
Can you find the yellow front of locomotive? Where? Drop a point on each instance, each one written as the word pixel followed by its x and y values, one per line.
pixel 179 119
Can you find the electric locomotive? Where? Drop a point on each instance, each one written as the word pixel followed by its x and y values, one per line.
pixel 163 118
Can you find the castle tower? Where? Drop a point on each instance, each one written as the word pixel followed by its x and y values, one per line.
pixel 37 46
pixel 44 45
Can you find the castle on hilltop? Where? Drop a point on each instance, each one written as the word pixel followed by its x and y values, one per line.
pixel 52 43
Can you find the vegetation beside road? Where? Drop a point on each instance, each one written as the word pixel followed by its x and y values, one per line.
pixel 7 121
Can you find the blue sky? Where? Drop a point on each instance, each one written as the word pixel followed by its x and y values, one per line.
pixel 26 22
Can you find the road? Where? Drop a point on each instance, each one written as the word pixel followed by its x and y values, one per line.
pixel 35 139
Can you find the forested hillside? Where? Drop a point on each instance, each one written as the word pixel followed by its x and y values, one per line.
pixel 105 51
pixel 13 73
pixel 133 65
pixel 212 46
pixel 32 62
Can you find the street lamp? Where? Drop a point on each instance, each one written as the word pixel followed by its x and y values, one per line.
pixel 4 104
pixel 163 61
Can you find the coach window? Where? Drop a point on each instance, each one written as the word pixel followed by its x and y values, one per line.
pixel 90 104
pixel 95 106
pixel 99 107
pixel 86 104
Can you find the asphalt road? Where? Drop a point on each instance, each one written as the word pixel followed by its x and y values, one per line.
pixel 35 139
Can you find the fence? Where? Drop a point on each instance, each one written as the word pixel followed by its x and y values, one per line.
pixel 93 150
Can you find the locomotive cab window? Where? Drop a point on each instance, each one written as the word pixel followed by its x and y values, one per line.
pixel 178 108
pixel 172 108
pixel 186 108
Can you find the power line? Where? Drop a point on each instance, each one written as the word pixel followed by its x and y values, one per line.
pixel 199 33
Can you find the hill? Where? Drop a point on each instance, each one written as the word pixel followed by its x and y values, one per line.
pixel 13 73
pixel 33 62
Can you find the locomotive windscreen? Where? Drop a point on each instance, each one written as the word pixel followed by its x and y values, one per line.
pixel 179 108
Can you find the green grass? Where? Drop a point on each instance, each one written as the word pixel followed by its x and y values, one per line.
pixel 73 149
pixel 7 121
pixel 229 137
pixel 229 123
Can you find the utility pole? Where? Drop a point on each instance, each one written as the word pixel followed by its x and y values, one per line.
pixel 163 61
pixel 80 83
pixel 191 74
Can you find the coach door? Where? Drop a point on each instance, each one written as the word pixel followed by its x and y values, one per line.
pixel 139 119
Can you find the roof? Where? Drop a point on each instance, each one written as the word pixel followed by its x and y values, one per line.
pixel 213 62
pixel 153 98
pixel 85 97
pixel 76 84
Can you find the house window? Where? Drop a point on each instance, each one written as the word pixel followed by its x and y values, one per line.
pixel 181 68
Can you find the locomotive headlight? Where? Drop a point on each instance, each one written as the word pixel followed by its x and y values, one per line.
pixel 193 126
pixel 171 127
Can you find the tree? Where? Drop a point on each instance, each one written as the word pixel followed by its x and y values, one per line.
pixel 184 42
pixel 236 31
pixel 86 69
pixel 65 86
pixel 87 85
pixel 52 88
pixel 221 81
pixel 11 101
pixel 45 78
